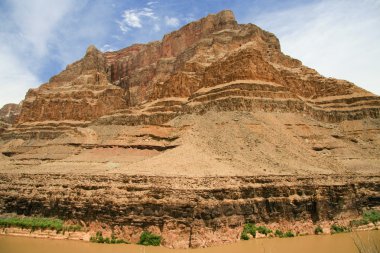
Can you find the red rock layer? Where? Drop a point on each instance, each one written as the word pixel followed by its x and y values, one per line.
pixel 212 51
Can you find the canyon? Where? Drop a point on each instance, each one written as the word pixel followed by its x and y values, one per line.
pixel 190 138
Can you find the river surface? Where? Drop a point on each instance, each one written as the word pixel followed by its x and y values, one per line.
pixel 339 243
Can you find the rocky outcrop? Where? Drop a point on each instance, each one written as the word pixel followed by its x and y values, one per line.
pixel 9 113
pixel 190 137
pixel 81 92
pixel 211 52
pixel 187 212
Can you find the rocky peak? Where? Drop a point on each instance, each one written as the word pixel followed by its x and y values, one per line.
pixel 203 54
pixel 9 113
pixel 93 60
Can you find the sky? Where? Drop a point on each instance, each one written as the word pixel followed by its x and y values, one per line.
pixel 38 38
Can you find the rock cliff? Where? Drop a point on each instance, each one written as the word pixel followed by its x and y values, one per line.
pixel 213 51
pixel 190 137
pixel 9 113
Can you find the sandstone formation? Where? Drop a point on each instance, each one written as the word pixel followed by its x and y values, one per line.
pixel 190 137
pixel 9 113
pixel 81 92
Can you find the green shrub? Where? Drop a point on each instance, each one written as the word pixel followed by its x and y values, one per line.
pixel 357 223
pixel 148 238
pixel 336 229
pixel 372 216
pixel 264 230
pixel 35 223
pixel 318 230
pixel 251 229
pixel 244 236
pixel 288 234
pixel 368 216
pixel 100 239
pixel 278 233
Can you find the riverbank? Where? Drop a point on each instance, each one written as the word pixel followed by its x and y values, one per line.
pixel 369 221
pixel 189 212
pixel 338 243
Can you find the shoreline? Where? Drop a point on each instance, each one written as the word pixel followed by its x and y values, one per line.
pixel 85 236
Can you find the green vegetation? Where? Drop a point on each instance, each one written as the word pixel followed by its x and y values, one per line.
pixel 100 239
pixel 367 217
pixel 336 229
pixel 318 230
pixel 252 229
pixel 280 234
pixel 372 216
pixel 357 223
pixel 35 223
pixel 264 230
pixel 288 234
pixel 148 239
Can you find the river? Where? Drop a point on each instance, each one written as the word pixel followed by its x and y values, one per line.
pixel 339 243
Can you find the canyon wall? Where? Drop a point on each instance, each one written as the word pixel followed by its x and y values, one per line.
pixel 187 212
pixel 190 137
pixel 207 53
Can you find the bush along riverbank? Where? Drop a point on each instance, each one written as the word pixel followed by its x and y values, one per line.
pixel 35 223
pixel 45 227
pixel 98 238
pixel 370 220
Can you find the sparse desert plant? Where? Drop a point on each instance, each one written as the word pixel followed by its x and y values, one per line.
pixel 278 233
pixel 372 216
pixel 248 229
pixel 148 239
pixel 336 229
pixel 264 230
pixel 281 234
pixel 35 223
pixel 98 238
pixel 288 234
pixel 318 230
pixel 251 229
pixel 367 217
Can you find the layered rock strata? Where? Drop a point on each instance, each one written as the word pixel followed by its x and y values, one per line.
pixel 212 52
pixel 81 92
pixel 187 212
pixel 190 137
pixel 9 113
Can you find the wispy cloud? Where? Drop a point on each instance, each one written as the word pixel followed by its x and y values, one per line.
pixel 107 48
pixel 338 38
pixel 171 21
pixel 152 3
pixel 133 18
pixel 36 20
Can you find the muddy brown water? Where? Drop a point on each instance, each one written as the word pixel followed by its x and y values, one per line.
pixel 339 243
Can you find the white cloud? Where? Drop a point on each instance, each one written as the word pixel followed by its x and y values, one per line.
pixel 152 3
pixel 156 27
pixel 107 48
pixel 171 21
pixel 338 38
pixel 37 19
pixel 38 37
pixel 133 18
pixel 15 77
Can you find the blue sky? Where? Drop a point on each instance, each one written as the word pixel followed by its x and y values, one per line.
pixel 38 38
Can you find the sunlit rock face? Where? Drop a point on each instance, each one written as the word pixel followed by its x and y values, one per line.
pixel 190 137
pixel 207 53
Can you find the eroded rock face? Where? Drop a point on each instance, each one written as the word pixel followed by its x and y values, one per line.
pixel 211 52
pixel 192 136
pixel 9 113
pixel 80 93
pixel 187 212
